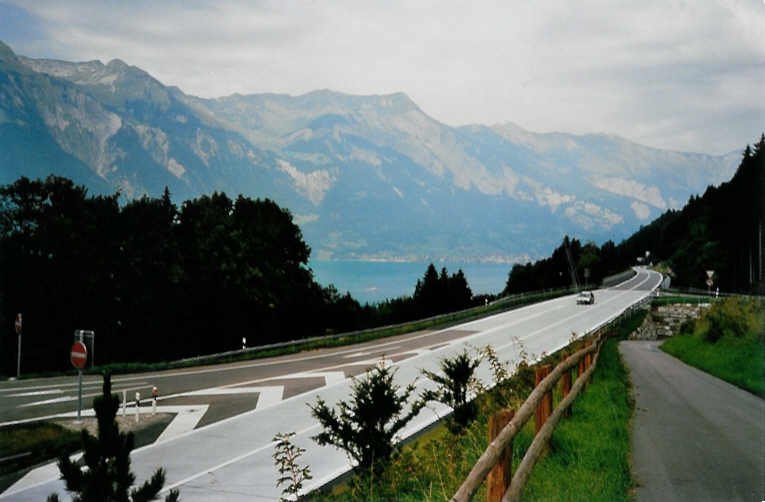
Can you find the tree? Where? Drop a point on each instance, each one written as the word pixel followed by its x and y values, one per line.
pixel 366 426
pixel 454 381
pixel 107 458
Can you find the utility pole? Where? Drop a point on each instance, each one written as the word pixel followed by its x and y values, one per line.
pixel 571 266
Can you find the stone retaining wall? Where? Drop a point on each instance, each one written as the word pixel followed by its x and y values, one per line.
pixel 665 320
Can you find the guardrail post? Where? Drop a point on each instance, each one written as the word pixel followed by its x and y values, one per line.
pixel 565 389
pixel 499 477
pixel 545 405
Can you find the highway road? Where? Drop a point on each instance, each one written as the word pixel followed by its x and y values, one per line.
pixel 220 444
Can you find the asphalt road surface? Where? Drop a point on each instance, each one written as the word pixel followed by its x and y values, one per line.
pixel 695 437
pixel 219 446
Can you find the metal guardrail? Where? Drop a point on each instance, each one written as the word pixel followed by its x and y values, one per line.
pixel 491 307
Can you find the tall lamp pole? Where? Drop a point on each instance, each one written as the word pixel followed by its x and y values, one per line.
pixel 17 326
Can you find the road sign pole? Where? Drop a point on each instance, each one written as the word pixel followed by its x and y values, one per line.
pixel 79 395
pixel 18 326
pixel 18 359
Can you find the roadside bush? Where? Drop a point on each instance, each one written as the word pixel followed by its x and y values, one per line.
pixel 454 383
pixel 366 426
pixel 732 317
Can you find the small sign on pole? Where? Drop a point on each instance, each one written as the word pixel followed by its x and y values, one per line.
pixel 79 357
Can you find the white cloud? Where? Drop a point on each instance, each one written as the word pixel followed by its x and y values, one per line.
pixel 678 75
pixel 641 210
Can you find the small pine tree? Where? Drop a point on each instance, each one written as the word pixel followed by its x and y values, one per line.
pixel 366 426
pixel 107 457
pixel 454 381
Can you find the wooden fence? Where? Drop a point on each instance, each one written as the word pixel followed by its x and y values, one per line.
pixel 495 461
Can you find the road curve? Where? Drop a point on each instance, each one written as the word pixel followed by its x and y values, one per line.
pixel 230 459
pixel 694 436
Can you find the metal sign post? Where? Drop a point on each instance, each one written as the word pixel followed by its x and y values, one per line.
pixel 17 325
pixel 79 358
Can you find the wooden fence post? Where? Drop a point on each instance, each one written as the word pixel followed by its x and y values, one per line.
pixel 545 404
pixel 565 389
pixel 499 477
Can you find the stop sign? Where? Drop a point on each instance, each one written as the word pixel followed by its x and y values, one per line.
pixel 79 355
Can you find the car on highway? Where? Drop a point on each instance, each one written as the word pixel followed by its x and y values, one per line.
pixel 585 298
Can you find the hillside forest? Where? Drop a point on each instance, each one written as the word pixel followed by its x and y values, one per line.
pixel 157 281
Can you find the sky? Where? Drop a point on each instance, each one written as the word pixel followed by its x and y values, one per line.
pixel 678 75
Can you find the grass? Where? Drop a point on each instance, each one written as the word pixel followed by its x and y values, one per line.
pixel 34 443
pixel 740 362
pixel 589 452
pixel 727 342
pixel 674 299
pixel 588 457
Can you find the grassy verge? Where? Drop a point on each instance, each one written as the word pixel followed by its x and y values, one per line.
pixel 589 453
pixel 740 362
pixel 728 342
pixel 30 444
pixel 674 299
pixel 588 457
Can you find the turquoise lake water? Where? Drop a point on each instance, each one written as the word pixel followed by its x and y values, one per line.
pixel 376 281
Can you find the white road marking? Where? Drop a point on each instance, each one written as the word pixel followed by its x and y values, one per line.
pixel 49 401
pixel 269 395
pixel 70 398
pixel 186 419
pixel 38 393
pixel 330 377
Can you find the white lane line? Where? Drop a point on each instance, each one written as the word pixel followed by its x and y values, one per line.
pixel 48 401
pixel 38 393
pixel 67 398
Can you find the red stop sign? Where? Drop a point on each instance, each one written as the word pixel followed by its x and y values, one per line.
pixel 79 355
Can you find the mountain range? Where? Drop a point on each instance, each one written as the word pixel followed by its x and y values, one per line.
pixel 366 177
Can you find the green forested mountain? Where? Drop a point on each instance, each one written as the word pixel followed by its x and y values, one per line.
pixel 722 230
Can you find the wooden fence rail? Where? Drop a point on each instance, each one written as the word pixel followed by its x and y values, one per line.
pixel 493 452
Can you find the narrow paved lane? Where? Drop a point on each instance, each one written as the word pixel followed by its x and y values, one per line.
pixel 695 437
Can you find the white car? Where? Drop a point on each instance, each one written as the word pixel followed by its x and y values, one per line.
pixel 585 298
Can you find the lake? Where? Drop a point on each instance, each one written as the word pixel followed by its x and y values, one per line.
pixel 376 281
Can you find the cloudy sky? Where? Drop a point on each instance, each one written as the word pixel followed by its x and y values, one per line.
pixel 681 75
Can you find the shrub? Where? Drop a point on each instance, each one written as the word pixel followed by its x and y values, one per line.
pixel 732 317
pixel 107 457
pixel 366 426
pixel 454 382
